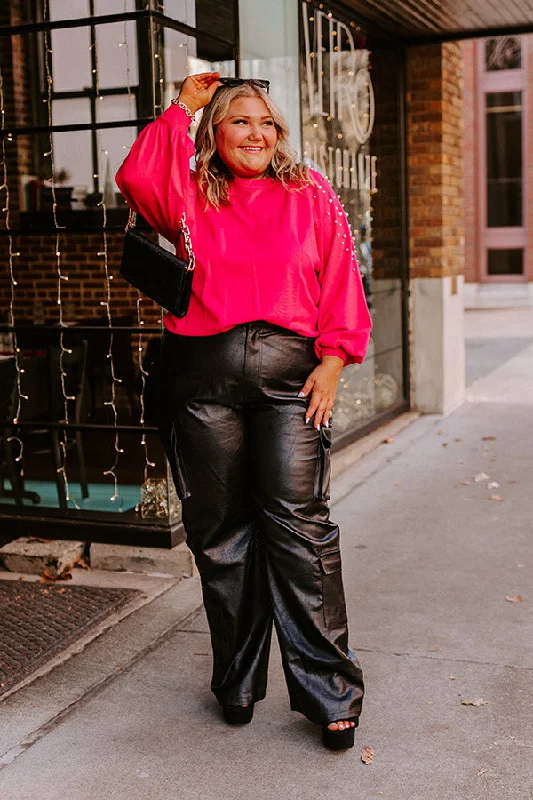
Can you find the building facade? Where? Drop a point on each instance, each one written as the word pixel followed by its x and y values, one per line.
pixel 374 100
pixel 499 171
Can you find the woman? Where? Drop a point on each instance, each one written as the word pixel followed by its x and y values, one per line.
pixel 248 383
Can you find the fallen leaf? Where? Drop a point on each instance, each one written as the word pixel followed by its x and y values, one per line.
pixel 81 563
pixel 444 444
pixel 488 438
pixel 47 576
pixel 458 440
pixel 514 598
pixel 464 483
pixel 22 578
pixel 388 440
pixel 38 539
pixel 476 703
pixel 496 498
pixel 367 754
pixel 480 477
pixel 452 677
pixel 493 485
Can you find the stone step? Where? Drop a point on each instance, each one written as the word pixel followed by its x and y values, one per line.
pixel 32 557
pixel 177 561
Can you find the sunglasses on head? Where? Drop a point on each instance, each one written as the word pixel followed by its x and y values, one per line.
pixel 230 83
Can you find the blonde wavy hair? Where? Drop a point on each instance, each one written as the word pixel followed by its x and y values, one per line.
pixel 213 176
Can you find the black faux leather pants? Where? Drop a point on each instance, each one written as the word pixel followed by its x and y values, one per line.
pixel 254 480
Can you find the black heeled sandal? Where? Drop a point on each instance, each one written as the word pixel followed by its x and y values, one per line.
pixel 238 715
pixel 340 740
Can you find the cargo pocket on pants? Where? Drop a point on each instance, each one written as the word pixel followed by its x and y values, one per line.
pixel 167 433
pixel 333 590
pixel 323 465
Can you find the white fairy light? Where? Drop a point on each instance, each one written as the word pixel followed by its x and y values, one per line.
pixel 111 472
pixel 61 277
pixel 62 469
pixel 140 322
pixel 6 208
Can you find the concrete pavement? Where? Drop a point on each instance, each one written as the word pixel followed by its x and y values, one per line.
pixel 429 560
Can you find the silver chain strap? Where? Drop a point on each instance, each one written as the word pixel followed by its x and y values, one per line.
pixel 188 244
pixel 132 219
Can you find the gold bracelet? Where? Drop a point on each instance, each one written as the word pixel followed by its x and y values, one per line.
pixel 181 104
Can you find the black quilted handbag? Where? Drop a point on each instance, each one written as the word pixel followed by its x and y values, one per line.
pixel 156 272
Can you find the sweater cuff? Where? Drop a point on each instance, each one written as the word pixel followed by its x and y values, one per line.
pixel 333 351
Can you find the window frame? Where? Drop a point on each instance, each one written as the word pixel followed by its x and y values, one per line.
pixel 150 25
pixel 504 238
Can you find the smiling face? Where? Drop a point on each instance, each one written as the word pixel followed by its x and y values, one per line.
pixel 246 137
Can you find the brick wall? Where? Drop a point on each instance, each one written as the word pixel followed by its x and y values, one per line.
pixel 386 143
pixel 37 278
pixel 435 178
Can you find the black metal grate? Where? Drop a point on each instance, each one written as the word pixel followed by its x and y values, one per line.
pixel 40 620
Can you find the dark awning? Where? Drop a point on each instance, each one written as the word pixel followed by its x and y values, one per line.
pixel 427 20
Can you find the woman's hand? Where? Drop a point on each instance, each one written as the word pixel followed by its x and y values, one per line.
pixel 197 90
pixel 322 385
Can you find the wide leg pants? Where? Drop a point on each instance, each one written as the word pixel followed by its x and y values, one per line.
pixel 254 480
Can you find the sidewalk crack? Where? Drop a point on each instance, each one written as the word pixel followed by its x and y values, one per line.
pixel 429 657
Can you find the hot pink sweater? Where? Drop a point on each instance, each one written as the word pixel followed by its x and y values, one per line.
pixel 280 255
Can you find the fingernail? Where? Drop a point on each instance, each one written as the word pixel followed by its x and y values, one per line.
pixel 307 420
pixel 318 426
pixel 326 424
pixel 301 394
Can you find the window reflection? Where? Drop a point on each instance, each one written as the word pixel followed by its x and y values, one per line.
pixel 503 52
pixel 350 135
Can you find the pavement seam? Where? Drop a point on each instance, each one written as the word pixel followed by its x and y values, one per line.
pixel 21 747
pixel 443 659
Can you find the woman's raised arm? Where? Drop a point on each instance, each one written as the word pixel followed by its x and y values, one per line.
pixel 155 178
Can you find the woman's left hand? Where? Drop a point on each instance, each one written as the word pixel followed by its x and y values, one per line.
pixel 322 386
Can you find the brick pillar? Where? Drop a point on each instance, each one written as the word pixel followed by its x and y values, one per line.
pixel 436 225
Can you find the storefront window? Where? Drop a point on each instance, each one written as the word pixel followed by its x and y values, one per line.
pixel 269 49
pixel 350 133
pixel 78 347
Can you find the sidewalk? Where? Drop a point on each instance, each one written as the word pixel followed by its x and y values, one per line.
pixel 429 560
